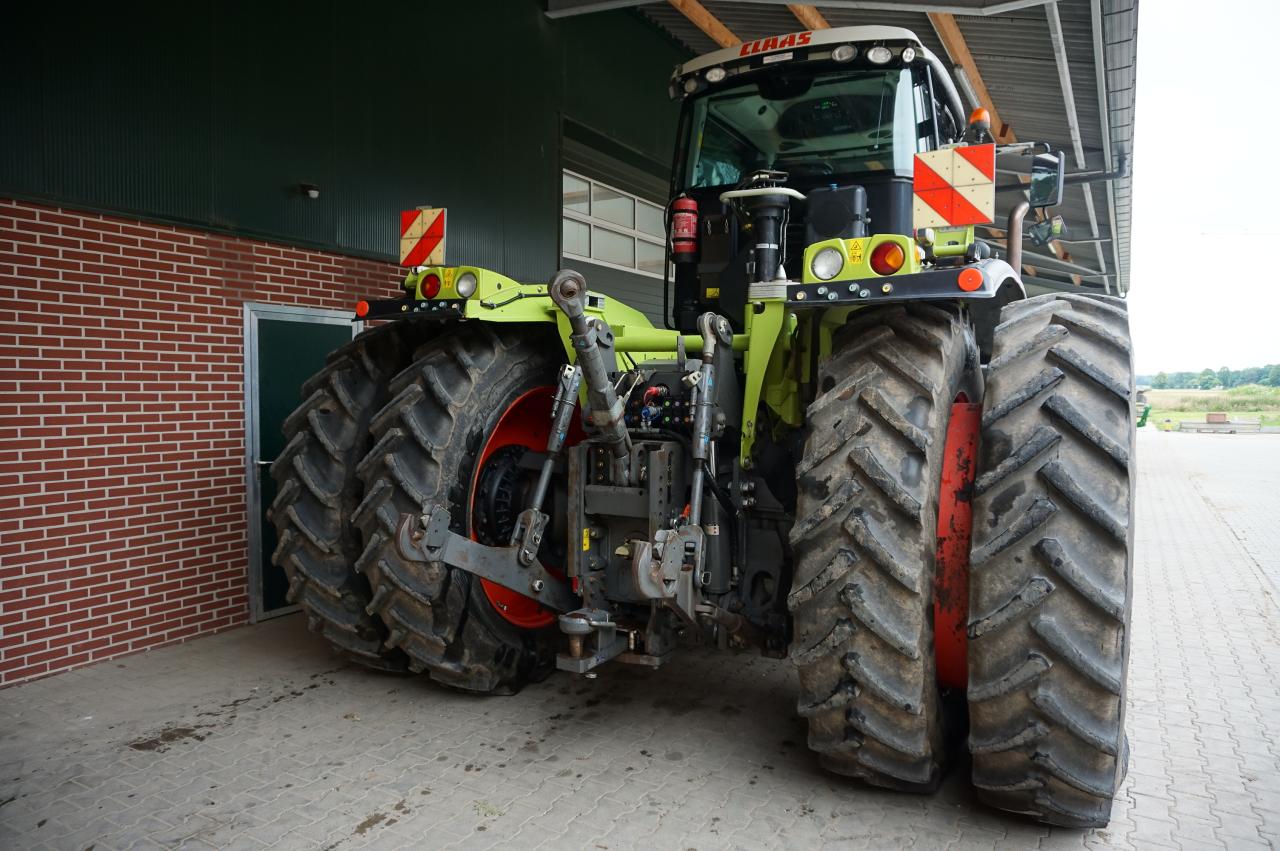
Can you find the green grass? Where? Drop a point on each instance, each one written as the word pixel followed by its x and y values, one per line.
pixel 1250 402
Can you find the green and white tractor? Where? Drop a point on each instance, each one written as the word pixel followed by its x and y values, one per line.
pixel 862 447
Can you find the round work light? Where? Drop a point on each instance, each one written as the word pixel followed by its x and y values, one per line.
pixel 466 284
pixel 826 264
pixel 879 55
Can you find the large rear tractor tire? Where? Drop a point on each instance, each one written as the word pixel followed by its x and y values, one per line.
pixel 325 438
pixel 1051 569
pixel 865 542
pixel 431 438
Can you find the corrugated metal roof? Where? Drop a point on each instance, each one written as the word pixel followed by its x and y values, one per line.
pixel 1014 53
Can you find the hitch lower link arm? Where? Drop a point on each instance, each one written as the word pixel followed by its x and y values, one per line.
pixel 428 538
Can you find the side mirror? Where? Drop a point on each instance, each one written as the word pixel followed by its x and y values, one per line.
pixel 1045 189
pixel 1042 233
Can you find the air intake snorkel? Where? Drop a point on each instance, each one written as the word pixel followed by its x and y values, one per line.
pixel 766 204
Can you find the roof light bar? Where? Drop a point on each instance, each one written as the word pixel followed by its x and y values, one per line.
pixel 879 55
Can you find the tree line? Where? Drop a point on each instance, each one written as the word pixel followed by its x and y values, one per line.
pixel 1211 379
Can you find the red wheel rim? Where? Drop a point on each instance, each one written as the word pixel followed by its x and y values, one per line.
pixel 955 522
pixel 526 422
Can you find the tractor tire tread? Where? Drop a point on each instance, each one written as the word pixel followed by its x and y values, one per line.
pixel 862 600
pixel 1051 566
pixel 318 491
pixel 427 440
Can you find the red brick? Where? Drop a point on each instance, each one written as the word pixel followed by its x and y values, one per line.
pixel 122 412
pixel 9 676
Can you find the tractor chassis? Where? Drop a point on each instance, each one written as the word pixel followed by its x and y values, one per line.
pixel 617 484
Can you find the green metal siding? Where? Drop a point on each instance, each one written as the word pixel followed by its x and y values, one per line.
pixel 213 114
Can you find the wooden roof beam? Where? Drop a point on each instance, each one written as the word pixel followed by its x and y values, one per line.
pixel 808 14
pixel 958 49
pixel 705 21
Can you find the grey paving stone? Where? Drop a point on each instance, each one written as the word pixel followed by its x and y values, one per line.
pixel 250 740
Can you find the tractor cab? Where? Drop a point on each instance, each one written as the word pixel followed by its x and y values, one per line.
pixel 837 116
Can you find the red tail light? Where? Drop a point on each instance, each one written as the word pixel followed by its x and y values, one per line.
pixel 431 285
pixel 362 309
pixel 887 258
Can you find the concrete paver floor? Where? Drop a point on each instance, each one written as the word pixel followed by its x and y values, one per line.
pixel 258 737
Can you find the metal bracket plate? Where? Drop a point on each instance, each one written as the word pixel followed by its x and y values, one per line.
pixel 773 290
pixel 428 538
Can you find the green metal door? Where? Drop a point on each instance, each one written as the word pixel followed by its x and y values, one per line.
pixel 285 347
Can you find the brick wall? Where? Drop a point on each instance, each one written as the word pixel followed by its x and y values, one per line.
pixel 122 492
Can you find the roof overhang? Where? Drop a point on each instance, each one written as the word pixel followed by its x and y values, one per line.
pixel 1055 71
pixel 569 8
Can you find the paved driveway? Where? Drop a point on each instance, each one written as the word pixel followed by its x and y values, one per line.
pixel 258 737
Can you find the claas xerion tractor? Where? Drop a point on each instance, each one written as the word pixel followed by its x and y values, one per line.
pixel 862 446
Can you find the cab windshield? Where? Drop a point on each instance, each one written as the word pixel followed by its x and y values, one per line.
pixel 823 125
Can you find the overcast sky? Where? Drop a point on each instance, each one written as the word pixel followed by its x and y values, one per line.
pixel 1205 283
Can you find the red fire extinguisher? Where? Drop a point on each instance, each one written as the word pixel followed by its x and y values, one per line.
pixel 684 230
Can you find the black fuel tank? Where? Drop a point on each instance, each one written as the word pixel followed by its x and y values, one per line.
pixel 835 212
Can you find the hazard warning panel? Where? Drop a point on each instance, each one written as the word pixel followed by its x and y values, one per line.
pixel 422 237
pixel 954 186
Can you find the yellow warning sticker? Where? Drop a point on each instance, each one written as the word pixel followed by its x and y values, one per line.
pixel 713 292
pixel 448 277
pixel 855 250
pixel 586 540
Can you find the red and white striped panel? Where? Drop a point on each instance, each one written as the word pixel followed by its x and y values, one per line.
pixel 954 186
pixel 422 237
